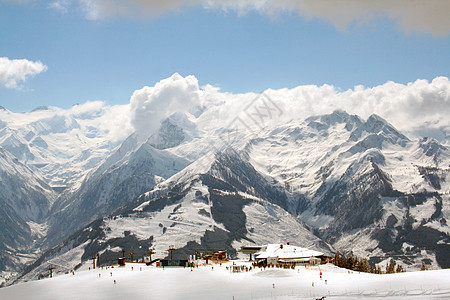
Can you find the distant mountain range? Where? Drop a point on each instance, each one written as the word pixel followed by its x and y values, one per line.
pixel 334 183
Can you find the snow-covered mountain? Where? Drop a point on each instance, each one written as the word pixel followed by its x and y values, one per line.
pixel 25 201
pixel 60 145
pixel 206 180
pixel 334 182
pixel 218 202
pixel 132 170
pixel 43 153
pixel 364 186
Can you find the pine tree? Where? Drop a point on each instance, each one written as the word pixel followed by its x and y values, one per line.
pixel 378 270
pixel 390 267
pixel 343 262
pixel 355 264
pixel 350 262
pixel 363 265
pixel 340 261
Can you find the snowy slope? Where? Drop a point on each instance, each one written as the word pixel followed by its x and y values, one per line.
pixel 25 200
pixel 138 281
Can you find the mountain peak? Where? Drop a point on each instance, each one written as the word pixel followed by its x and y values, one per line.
pixel 174 130
pixel 376 124
pixel 431 147
pixel 340 112
pixel 336 117
pixel 39 108
pixel 374 118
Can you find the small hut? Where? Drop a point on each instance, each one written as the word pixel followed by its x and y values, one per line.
pixel 121 261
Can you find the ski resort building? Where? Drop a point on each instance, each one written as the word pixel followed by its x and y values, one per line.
pixel 251 250
pixel 274 254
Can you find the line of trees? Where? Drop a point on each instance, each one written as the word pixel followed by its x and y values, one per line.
pixel 363 265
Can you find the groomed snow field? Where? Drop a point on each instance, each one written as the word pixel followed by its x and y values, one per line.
pixel 216 281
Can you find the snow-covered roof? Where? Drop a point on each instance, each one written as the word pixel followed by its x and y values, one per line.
pixel 306 259
pixel 286 251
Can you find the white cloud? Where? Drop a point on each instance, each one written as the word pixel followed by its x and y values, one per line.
pixel 60 5
pixel 112 122
pixel 150 105
pixel 14 71
pixel 419 108
pixel 410 15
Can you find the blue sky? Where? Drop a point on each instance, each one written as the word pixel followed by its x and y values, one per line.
pixel 108 57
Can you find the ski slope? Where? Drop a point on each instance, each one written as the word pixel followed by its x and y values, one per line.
pixel 138 281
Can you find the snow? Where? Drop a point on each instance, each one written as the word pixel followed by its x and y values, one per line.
pixel 38 230
pixel 423 211
pixel 70 258
pixel 65 145
pixel 317 221
pixel 138 281
pixel 286 252
pixel 361 243
pixel 73 141
pixel 176 224
pixel 393 207
pixel 200 166
pixel 268 223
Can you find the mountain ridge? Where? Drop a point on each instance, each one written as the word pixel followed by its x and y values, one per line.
pixel 334 182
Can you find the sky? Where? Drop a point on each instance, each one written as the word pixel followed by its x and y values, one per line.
pixel 63 52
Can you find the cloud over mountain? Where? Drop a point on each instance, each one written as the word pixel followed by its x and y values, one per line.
pixel 150 105
pixel 417 108
pixel 416 105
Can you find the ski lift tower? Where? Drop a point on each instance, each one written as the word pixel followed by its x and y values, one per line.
pixel 150 252
pixel 93 262
pixel 171 249
pixel 51 268
pixel 131 253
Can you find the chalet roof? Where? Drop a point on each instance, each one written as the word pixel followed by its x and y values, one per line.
pixel 286 252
